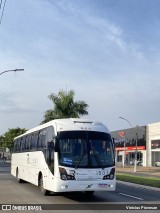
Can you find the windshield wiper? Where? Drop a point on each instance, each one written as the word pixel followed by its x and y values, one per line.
pixel 79 160
pixel 99 162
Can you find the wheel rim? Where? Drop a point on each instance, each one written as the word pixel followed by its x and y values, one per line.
pixel 41 184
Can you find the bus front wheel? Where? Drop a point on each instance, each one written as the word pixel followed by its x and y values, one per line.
pixel 44 192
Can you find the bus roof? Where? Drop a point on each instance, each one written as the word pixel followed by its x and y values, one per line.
pixel 69 124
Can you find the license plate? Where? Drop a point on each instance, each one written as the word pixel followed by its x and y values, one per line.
pixel 102 186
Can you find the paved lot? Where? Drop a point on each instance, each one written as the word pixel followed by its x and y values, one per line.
pixel 29 194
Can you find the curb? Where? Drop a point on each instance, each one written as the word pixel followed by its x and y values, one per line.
pixel 138 185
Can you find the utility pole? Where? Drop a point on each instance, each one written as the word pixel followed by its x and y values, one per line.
pixel 135 163
pixel 136 133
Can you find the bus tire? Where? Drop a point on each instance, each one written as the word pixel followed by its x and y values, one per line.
pixel 19 180
pixel 44 192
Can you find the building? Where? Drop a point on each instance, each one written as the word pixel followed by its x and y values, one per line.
pixel 153 146
pixel 141 140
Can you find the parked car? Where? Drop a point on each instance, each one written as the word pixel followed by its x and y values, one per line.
pixel 157 163
pixel 139 162
pixel 131 162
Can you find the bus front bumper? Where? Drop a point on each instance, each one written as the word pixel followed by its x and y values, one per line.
pixel 68 186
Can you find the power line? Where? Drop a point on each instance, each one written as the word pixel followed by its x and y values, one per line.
pixel 2 9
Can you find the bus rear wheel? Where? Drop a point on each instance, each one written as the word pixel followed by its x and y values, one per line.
pixel 17 177
pixel 44 192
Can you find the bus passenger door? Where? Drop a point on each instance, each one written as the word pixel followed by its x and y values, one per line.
pixel 50 148
pixel 50 156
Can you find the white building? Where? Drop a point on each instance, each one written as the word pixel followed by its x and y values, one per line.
pixel 153 144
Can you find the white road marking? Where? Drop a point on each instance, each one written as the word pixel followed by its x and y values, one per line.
pixel 138 198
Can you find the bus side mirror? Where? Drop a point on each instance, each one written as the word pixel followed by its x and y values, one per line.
pixel 51 145
pixel 56 146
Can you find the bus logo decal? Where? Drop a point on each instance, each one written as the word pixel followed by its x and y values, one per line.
pixel 89 186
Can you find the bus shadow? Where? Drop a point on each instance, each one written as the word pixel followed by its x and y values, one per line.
pixel 80 197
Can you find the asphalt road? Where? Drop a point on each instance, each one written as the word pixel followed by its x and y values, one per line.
pixel 11 192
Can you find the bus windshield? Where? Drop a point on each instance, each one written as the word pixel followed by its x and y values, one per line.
pixel 85 149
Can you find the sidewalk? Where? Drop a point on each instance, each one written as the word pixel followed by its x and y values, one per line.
pixel 140 171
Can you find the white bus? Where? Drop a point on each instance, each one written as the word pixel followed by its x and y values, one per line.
pixel 66 155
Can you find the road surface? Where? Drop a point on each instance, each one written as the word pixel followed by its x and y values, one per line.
pixel 11 192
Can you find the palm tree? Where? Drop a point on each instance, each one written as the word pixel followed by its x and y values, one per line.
pixel 65 106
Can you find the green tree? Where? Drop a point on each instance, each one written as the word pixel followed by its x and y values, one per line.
pixel 1 142
pixel 10 135
pixel 65 106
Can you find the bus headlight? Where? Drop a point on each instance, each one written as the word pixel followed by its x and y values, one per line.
pixel 64 175
pixel 110 175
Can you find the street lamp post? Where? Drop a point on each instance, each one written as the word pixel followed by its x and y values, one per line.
pixel 15 70
pixel 124 146
pixel 136 132
pixel 122 134
pixel 135 163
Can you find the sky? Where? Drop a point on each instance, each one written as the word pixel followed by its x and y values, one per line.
pixel 107 51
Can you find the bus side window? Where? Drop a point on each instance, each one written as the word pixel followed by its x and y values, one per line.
pixel 14 145
pixel 34 139
pixel 42 139
pixel 28 138
pixel 18 145
pixel 23 143
pixel 50 134
pixel 26 143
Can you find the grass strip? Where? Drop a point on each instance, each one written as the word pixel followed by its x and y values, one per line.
pixel 147 181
